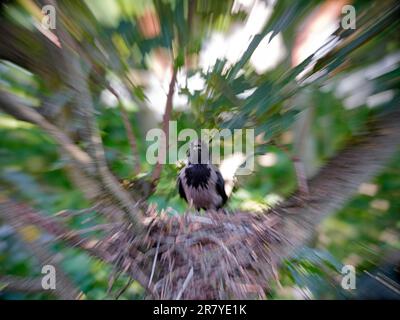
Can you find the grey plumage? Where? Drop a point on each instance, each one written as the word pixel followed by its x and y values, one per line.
pixel 200 183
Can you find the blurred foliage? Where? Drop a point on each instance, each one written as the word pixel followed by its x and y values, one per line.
pixel 123 42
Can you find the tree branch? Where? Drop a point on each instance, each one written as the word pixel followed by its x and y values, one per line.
pixel 74 77
pixel 21 284
pixel 129 130
pixel 165 126
pixel 337 182
pixel 14 106
pixel 20 215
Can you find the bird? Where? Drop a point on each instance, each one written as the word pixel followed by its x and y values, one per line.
pixel 199 182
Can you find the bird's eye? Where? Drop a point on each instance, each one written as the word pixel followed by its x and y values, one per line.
pixel 188 152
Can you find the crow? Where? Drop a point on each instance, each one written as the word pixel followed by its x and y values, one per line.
pixel 200 183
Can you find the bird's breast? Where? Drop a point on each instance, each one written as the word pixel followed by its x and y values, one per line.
pixel 199 185
pixel 197 176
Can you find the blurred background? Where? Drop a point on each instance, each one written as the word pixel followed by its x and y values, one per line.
pixel 291 70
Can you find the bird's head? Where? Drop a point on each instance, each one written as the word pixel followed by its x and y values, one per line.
pixel 198 152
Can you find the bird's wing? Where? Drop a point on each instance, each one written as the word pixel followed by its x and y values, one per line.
pixel 180 188
pixel 220 186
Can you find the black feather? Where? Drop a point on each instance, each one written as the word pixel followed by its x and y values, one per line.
pixel 197 175
pixel 181 190
pixel 220 186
